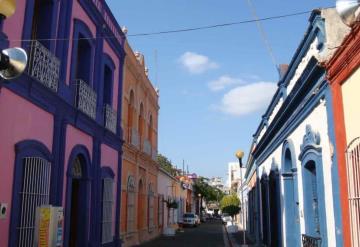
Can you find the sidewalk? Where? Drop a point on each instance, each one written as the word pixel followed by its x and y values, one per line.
pixel 237 238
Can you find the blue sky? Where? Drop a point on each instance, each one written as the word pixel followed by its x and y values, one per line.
pixel 214 84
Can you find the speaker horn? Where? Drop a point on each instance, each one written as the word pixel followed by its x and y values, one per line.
pixel 12 62
pixel 348 10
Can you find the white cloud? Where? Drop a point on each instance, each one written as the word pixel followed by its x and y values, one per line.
pixel 196 63
pixel 223 82
pixel 246 99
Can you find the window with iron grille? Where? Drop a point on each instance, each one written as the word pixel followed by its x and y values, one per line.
pixel 130 207
pixel 160 209
pixel 107 205
pixel 150 208
pixel 34 193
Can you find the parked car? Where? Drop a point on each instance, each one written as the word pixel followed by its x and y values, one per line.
pixel 189 219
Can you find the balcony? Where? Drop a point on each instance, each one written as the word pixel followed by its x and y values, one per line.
pixel 135 138
pixel 44 66
pixel 147 147
pixel 110 118
pixel 309 241
pixel 85 98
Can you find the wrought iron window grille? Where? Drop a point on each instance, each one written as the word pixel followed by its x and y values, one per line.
pixel 44 66
pixel 85 98
pixel 110 118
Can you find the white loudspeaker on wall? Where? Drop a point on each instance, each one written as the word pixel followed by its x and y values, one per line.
pixel 12 62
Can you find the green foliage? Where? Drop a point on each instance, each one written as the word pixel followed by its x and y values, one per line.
pixel 230 204
pixel 208 192
pixel 166 164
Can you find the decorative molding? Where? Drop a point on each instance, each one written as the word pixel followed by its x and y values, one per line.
pixel 311 140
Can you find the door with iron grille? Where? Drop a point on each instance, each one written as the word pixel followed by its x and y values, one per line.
pixel 353 180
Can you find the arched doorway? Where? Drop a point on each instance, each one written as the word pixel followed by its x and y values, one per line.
pixel 275 209
pixel 77 200
pixel 265 210
pixel 292 222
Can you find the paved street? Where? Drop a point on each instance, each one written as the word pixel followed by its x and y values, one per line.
pixel 207 234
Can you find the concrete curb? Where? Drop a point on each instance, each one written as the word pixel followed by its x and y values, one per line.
pixel 226 236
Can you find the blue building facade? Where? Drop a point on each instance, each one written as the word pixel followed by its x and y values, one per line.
pixel 296 199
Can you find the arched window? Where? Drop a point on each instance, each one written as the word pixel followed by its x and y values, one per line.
pixel 151 207
pixel 130 205
pixel 130 114
pixel 107 204
pixel 141 122
pixel 150 130
pixel 32 175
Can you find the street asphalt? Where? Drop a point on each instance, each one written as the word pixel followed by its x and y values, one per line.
pixel 209 234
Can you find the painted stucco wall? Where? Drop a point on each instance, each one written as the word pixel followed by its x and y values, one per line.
pixel 13 26
pixel 20 121
pixel 317 119
pixel 350 93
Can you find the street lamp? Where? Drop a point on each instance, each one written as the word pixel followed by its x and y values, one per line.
pixel 240 154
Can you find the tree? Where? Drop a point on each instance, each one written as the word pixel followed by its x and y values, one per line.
pixel 230 204
pixel 207 191
pixel 165 163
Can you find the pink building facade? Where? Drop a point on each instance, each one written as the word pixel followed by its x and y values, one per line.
pixel 60 135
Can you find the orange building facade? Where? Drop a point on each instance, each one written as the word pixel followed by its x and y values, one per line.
pixel 140 109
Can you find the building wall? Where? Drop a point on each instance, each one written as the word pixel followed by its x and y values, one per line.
pixel 139 151
pixel 45 122
pixel 350 89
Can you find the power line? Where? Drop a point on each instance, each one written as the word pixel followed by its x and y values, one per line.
pixel 176 30
pixel 221 25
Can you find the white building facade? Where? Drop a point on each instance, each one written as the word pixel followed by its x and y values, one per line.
pixel 297 200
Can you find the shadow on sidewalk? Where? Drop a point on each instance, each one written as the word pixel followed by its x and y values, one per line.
pixel 237 239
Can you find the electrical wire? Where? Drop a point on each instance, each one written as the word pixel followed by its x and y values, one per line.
pixel 175 30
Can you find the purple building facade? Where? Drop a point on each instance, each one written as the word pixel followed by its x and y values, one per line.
pixel 60 134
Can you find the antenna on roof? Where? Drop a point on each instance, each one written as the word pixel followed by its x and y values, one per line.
pixel 263 34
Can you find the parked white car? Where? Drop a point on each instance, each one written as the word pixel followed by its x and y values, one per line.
pixel 189 219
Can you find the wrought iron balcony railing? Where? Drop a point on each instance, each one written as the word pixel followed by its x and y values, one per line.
pixel 110 118
pixel 309 241
pixel 85 98
pixel 44 66
pixel 135 138
pixel 147 147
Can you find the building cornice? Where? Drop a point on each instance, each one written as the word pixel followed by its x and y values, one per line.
pixel 346 59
